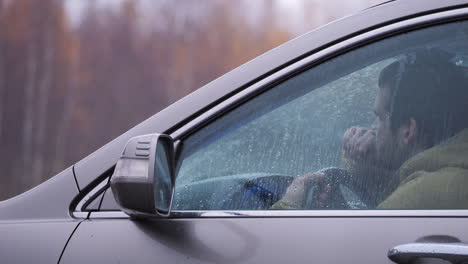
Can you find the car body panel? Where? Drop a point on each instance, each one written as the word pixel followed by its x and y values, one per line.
pixel 36 225
pixel 320 237
pixel 204 98
pixel 48 201
pixel 251 240
pixel 34 242
pixel 43 214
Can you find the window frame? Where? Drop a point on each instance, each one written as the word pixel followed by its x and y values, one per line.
pixel 290 71
pixel 314 60
pixel 308 63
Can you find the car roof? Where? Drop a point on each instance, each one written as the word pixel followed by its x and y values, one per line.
pixel 204 98
pixel 383 3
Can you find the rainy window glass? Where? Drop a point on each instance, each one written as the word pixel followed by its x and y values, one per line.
pixel 379 127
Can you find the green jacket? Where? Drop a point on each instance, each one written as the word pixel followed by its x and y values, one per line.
pixel 436 178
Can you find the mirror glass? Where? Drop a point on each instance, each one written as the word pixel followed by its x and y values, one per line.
pixel 162 177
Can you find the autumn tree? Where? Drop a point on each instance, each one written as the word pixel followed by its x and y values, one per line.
pixel 120 76
pixel 66 90
pixel 37 56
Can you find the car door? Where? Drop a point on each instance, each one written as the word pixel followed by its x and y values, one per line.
pixel 237 160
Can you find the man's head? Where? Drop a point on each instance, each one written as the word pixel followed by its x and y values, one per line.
pixel 423 99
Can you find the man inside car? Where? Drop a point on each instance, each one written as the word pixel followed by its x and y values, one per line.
pixel 416 154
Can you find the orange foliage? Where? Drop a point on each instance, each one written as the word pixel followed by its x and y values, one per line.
pixel 66 91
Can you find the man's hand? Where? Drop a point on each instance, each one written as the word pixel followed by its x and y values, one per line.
pixel 359 144
pixel 296 192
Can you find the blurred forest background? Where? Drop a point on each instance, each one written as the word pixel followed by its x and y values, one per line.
pixel 74 74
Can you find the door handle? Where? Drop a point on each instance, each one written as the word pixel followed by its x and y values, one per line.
pixel 456 253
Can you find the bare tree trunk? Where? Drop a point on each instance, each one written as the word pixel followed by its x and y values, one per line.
pixel 4 182
pixel 65 122
pixel 28 122
pixel 2 87
pixel 42 103
pixel 2 68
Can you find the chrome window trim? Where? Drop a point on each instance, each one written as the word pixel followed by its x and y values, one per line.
pixel 294 213
pixel 80 215
pixel 314 60
pixel 108 215
pixel 94 193
pixel 321 213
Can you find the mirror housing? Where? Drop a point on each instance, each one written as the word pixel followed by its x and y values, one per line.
pixel 143 179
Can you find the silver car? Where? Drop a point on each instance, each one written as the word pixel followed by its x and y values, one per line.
pixel 260 165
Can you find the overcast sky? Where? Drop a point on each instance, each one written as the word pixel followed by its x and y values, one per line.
pixel 294 11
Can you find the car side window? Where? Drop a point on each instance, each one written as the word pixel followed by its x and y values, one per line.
pixel 379 127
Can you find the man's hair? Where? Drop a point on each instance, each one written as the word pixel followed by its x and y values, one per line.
pixel 426 86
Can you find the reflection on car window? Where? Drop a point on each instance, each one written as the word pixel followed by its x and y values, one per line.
pixel 380 127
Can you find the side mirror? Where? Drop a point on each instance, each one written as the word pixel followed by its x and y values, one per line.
pixel 143 179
